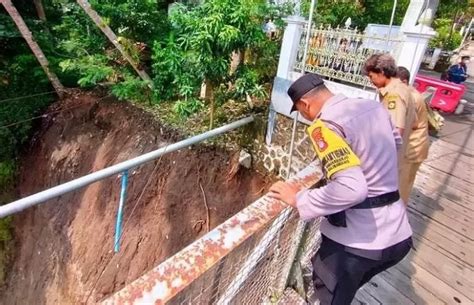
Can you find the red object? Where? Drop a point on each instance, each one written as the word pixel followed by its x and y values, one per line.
pixel 447 95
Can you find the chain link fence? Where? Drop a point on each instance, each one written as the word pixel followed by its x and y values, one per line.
pixel 256 272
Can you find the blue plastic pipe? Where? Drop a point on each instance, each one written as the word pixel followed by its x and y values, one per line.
pixel 118 224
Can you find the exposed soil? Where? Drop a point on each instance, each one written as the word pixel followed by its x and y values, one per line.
pixel 64 247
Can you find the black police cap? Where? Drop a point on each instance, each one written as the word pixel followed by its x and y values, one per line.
pixel 303 85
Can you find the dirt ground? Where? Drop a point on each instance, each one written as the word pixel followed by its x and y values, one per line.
pixel 64 247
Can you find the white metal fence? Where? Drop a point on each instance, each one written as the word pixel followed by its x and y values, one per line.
pixel 340 54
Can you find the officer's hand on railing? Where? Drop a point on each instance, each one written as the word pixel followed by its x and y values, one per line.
pixel 285 191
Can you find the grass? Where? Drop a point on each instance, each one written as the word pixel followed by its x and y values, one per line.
pixel 7 172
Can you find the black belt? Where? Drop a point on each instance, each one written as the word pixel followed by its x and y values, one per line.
pixel 378 201
pixel 339 219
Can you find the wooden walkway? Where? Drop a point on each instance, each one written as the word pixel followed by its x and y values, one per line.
pixel 440 270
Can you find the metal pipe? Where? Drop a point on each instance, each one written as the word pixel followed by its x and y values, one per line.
pixel 303 68
pixel 308 34
pixel 292 146
pixel 19 205
pixel 413 75
pixel 118 224
pixel 394 8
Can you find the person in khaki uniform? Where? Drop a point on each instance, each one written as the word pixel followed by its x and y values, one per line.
pixel 418 143
pixel 397 99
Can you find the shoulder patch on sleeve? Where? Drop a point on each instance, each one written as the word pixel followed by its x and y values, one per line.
pixel 392 105
pixel 333 151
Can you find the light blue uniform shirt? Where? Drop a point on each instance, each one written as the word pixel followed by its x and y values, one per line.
pixel 367 128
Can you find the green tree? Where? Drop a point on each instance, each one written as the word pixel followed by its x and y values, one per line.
pixel 451 15
pixel 200 46
pixel 446 38
pixel 362 12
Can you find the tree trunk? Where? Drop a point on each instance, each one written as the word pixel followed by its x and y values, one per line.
pixel 237 59
pixel 210 98
pixel 40 9
pixel 35 48
pixel 452 28
pixel 112 37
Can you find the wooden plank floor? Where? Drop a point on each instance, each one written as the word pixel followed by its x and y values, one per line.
pixel 441 210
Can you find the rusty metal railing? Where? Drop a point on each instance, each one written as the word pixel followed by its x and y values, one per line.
pixel 204 271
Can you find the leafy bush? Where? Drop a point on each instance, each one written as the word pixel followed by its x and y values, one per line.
pixel 7 170
pixel 5 234
pixel 443 39
pixel 139 20
pixel 132 89
pixel 199 48
pixel 186 108
pixel 336 12
pixel 91 69
pixel 21 76
pixel 247 85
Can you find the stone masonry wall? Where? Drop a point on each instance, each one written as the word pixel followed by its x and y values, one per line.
pixel 275 157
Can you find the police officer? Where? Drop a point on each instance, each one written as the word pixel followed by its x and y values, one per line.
pixel 365 229
pixel 418 142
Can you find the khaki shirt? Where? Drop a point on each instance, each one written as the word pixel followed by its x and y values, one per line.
pixel 398 100
pixel 418 143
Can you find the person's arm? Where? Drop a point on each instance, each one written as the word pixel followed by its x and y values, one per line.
pixel 398 137
pixel 398 111
pixel 346 189
pixel 420 108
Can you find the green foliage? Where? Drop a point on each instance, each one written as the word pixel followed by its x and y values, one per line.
pixel 7 28
pixel 199 48
pixel 451 15
pixel 191 46
pixel 7 171
pixel 174 72
pixel 132 89
pixel 336 12
pixel 139 20
pixel 185 108
pixel 448 9
pixel 5 238
pixel 20 76
pixel 83 54
pixel 446 38
pixel 5 230
pixel 211 31
pixel 92 69
pixel 247 83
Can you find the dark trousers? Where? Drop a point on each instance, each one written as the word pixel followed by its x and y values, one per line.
pixel 338 272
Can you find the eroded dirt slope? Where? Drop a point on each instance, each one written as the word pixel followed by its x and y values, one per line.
pixel 63 248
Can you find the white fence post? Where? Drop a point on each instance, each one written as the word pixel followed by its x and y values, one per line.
pixel 413 48
pixel 412 14
pixel 289 50
pixel 290 45
pixel 434 58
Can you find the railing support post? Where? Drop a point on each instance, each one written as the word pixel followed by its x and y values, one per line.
pixel 118 224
